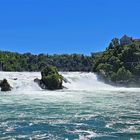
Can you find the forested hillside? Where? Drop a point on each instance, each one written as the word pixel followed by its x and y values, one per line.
pixel 10 61
pixel 120 62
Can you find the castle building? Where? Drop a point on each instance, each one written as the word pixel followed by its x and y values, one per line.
pixel 125 40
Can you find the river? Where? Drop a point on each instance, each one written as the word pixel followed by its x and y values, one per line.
pixel 87 109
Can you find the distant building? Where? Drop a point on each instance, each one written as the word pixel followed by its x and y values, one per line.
pixel 125 40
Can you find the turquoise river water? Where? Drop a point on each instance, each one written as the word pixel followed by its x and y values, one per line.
pixel 86 110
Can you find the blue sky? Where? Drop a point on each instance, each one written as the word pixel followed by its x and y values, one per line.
pixel 66 26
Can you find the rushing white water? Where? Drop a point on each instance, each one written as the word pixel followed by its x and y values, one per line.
pixel 84 81
pixel 21 81
pixel 24 81
pixel 75 81
pixel 86 109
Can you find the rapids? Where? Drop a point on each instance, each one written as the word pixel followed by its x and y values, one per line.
pixel 86 109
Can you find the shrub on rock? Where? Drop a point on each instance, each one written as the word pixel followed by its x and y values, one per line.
pixel 49 70
pixel 53 81
pixel 50 79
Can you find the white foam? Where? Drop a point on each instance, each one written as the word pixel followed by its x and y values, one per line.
pixel 24 81
pixel 90 82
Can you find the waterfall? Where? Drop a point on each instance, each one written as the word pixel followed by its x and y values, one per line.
pixel 24 81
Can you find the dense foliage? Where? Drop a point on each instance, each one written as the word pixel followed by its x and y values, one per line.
pixel 10 61
pixel 119 63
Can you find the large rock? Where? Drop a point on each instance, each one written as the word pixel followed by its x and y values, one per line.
pixel 40 83
pixel 5 86
pixel 50 79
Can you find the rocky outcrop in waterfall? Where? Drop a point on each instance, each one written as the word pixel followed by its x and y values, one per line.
pixel 5 86
pixel 50 79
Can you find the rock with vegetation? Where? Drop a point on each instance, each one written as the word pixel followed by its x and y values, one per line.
pixel 5 86
pixel 51 79
pixel 120 62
